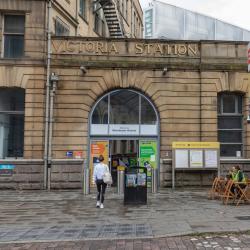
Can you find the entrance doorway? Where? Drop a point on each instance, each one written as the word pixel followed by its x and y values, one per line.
pixel 123 153
pixel 124 128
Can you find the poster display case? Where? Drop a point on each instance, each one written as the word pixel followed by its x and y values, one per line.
pixel 195 156
pixel 135 190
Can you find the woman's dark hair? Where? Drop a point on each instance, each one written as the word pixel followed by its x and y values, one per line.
pixel 101 158
pixel 237 167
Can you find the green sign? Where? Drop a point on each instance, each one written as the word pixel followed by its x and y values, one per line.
pixel 148 157
pixel 148 154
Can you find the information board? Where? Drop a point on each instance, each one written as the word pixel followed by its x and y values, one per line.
pixel 188 156
pixel 211 159
pixel 196 159
pixel 181 158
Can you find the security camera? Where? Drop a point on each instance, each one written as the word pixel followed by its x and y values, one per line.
pixel 164 71
pixel 83 69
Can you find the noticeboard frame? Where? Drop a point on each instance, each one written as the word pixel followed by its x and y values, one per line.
pixel 191 147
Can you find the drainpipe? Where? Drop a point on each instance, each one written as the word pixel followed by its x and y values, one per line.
pixel 53 79
pixel 47 96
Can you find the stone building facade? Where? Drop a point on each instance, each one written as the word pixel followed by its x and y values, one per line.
pixel 187 91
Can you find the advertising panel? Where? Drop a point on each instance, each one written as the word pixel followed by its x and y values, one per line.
pixel 148 157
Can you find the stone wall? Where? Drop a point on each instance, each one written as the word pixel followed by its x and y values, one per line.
pixel 199 177
pixel 67 174
pixel 27 174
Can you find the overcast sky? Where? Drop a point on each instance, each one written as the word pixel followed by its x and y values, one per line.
pixel 233 11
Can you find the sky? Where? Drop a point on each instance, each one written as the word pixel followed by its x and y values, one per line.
pixel 236 12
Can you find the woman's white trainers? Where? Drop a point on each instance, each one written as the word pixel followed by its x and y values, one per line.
pixel 101 206
pixel 98 204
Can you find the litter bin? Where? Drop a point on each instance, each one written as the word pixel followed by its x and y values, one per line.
pixel 135 186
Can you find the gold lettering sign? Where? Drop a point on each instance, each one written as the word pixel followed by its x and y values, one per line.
pixel 120 48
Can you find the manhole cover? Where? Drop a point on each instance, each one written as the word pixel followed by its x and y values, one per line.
pixel 243 217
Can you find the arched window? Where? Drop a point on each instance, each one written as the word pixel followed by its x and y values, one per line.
pixel 11 122
pixel 124 107
pixel 230 121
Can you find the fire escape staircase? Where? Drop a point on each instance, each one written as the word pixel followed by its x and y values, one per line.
pixel 112 16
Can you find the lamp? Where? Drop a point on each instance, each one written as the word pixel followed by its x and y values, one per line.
pixel 83 69
pixel 164 71
pixel 54 77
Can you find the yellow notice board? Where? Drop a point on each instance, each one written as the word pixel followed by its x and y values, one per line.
pixel 196 145
pixel 188 156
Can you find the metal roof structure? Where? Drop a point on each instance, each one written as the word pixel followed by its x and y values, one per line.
pixel 162 20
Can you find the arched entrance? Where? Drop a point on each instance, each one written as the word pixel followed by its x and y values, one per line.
pixel 124 127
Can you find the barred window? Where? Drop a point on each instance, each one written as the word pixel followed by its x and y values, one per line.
pixel 230 127
pixel 61 29
pixel 82 8
pixel 11 122
pixel 14 36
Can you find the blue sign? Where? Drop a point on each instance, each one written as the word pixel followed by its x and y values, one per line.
pixel 8 167
pixel 69 154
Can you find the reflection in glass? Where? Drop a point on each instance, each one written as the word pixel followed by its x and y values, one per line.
pixel 148 115
pixel 11 135
pixel 100 114
pixel 229 104
pixel 124 107
pixel 228 150
pixel 11 122
pixel 11 99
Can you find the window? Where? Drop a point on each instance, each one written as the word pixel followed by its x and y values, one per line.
pixel 126 10
pixel 14 36
pixel 82 8
pixel 61 29
pixel 124 112
pixel 11 122
pixel 124 107
pixel 148 23
pixel 96 24
pixel 230 120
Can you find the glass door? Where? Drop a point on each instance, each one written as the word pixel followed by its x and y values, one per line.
pixel 123 153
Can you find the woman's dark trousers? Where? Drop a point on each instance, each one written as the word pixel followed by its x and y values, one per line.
pixel 101 187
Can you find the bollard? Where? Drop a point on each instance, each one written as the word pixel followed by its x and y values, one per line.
pixel 154 184
pixel 120 182
pixel 85 179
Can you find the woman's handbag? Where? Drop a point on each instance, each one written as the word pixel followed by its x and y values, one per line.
pixel 107 178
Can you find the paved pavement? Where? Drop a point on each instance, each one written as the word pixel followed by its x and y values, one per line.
pixel 39 216
pixel 225 242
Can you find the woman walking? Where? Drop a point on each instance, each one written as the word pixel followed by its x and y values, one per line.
pixel 99 171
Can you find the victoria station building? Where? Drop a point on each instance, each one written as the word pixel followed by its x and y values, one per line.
pixel 78 80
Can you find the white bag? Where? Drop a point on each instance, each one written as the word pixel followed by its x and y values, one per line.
pixel 107 178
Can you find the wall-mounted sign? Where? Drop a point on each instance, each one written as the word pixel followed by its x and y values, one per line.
pixel 78 154
pixel 69 154
pixel 104 47
pixel 6 169
pixel 195 145
pixel 124 129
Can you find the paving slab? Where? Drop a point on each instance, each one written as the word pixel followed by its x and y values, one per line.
pixel 33 216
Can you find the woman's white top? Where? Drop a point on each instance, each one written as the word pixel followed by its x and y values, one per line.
pixel 99 171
